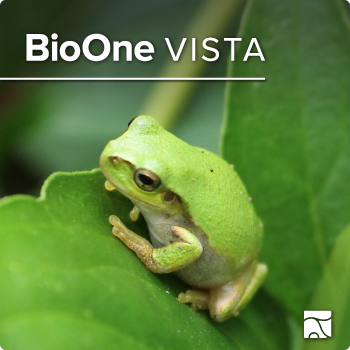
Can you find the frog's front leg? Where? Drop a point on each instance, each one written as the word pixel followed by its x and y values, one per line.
pixel 160 260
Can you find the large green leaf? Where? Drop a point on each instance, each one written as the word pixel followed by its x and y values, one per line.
pixel 333 293
pixel 289 137
pixel 67 282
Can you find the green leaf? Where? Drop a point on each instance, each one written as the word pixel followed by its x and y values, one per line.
pixel 289 137
pixel 333 293
pixel 67 282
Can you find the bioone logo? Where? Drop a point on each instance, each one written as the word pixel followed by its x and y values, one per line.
pixel 317 324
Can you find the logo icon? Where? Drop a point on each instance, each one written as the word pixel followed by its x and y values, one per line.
pixel 317 324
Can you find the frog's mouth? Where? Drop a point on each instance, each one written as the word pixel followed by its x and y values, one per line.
pixel 128 196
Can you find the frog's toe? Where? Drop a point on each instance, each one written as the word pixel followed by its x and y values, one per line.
pixel 134 214
pixel 199 299
pixel 109 186
pixel 118 229
pixel 114 220
pixel 199 306
pixel 116 232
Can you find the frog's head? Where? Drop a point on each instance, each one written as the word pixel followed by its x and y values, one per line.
pixel 134 163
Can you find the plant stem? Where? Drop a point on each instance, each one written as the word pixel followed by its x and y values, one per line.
pixel 167 99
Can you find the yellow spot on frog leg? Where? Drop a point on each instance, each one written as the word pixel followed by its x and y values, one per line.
pixel 134 214
pixel 109 186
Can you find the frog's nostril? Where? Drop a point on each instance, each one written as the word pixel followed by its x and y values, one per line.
pixel 113 159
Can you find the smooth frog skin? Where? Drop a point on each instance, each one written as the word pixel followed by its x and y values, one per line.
pixel 202 224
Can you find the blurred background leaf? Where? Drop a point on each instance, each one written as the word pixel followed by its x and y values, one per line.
pixel 47 127
pixel 289 137
pixel 66 281
pixel 333 293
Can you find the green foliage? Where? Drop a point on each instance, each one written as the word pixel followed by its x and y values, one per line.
pixel 289 138
pixel 51 127
pixel 66 281
pixel 333 293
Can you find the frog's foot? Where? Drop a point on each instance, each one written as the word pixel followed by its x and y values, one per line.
pixel 138 244
pixel 228 300
pixel 199 299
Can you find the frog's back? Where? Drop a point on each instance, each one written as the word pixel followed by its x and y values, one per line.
pixel 211 191
pixel 221 207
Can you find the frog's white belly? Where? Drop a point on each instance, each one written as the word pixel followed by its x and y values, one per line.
pixel 209 270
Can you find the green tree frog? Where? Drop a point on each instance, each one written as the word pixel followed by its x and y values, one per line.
pixel 202 224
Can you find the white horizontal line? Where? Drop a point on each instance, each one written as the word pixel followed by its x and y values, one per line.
pixel 129 79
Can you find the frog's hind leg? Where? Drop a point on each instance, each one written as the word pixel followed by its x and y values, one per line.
pixel 228 300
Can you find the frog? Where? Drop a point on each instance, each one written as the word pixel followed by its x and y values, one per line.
pixel 200 217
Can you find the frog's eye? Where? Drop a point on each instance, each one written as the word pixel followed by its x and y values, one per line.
pixel 146 180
